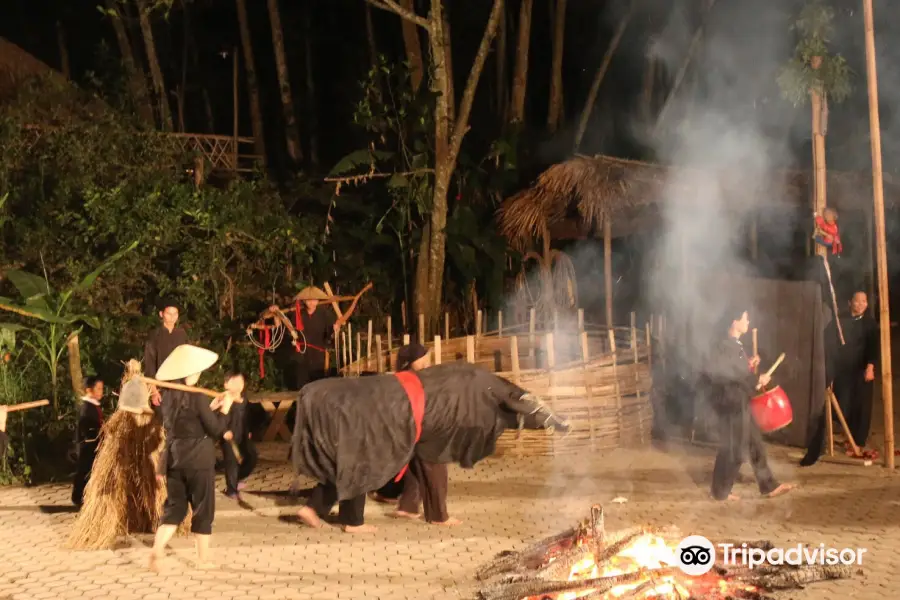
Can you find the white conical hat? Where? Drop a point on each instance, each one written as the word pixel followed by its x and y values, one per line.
pixel 135 397
pixel 186 360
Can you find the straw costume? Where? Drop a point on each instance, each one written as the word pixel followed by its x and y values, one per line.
pixel 188 465
pixel 352 435
pixel 122 495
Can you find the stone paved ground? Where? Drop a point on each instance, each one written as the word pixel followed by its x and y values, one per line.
pixel 503 502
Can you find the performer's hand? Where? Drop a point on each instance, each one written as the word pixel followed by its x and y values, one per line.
pixel 155 397
pixel 217 402
pixel 870 373
pixel 764 380
pixel 754 362
pixel 227 436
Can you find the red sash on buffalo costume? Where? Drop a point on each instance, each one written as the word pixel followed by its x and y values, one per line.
pixel 415 393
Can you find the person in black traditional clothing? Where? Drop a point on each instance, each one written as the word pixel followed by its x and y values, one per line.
pixel 236 472
pixel 87 435
pixel 851 371
pixel 162 341
pixel 189 458
pixel 304 361
pixel 352 435
pixel 731 383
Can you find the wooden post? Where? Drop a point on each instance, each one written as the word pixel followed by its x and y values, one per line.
pixel 588 387
pixel 607 269
pixel 369 347
pixel 344 360
pixel 437 349
pixel 446 326
pixel 470 349
pixel 580 319
pixel 358 353
pixel 379 359
pixel 422 329
pixel 406 339
pixel 615 370
pixel 887 388
pixel 499 323
pixel 350 340
pixel 403 315
pixel 390 342
pixel 478 324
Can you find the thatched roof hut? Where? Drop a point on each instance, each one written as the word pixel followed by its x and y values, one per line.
pixel 572 198
pixel 18 66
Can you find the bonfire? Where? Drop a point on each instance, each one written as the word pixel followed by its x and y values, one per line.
pixel 584 563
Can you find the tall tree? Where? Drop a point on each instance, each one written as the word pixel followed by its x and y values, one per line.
pixel 256 119
pixel 556 83
pixel 137 85
pixel 312 120
pixel 156 76
pixel 520 70
pixel 816 74
pixel 292 132
pixel 413 47
pixel 449 134
pixel 502 98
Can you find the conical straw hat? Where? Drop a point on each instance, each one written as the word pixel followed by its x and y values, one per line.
pixel 311 293
pixel 135 397
pixel 186 360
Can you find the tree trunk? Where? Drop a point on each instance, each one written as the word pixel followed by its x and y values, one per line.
pixel 292 134
pixel 520 70
pixel 448 141
pixel 256 119
pixel 556 82
pixel 370 37
pixel 63 50
pixel 311 105
pixel 502 94
pixel 136 83
pixel 448 59
pixel 159 84
pixel 598 78
pixel 413 47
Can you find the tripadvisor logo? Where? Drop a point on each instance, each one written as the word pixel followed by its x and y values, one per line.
pixel 696 555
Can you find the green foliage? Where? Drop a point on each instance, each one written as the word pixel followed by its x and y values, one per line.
pixel 14 388
pixel 813 67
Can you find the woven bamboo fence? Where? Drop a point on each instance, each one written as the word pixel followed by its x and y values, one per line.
pixel 600 379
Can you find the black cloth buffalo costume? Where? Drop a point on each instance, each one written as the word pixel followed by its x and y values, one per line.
pixel 352 435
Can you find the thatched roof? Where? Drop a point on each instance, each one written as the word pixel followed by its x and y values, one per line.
pixel 588 190
pixel 17 66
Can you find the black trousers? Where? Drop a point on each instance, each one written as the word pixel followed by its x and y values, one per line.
pixel 236 472
pixel 194 487
pixel 730 458
pixel 87 452
pixel 426 484
pixel 854 394
pixel 350 512
pixel 392 489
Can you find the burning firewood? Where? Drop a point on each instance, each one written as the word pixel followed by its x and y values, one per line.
pixel 639 563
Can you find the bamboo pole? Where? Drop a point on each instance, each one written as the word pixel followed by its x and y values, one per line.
pixel 369 341
pixel 447 325
pixel 403 314
pixel 478 323
pixel 390 342
pixel 379 358
pixel 422 329
pixel 344 360
pixel 358 353
pixel 580 319
pixel 887 391
pixel 499 323
pixel 648 335
pixel 615 369
pixel 350 340
pixel 437 350
pixel 607 269
pixel 531 325
pixel 470 349
pixel 406 339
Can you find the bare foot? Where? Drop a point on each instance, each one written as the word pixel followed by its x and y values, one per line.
pixel 399 514
pixel 782 489
pixel 207 566
pixel 448 523
pixel 376 497
pixel 310 518
pixel 730 498
pixel 154 562
pixel 360 529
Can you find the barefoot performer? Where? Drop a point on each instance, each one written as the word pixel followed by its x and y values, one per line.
pixel 352 435
pixel 731 382
pixel 189 462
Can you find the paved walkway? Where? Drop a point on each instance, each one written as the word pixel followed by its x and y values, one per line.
pixel 503 503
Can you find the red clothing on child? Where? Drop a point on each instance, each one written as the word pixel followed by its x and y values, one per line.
pixel 830 229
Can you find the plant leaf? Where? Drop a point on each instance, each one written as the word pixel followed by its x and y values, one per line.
pixel 34 289
pixel 35 312
pixel 89 280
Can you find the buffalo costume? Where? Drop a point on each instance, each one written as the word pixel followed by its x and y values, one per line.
pixel 730 384
pixel 352 435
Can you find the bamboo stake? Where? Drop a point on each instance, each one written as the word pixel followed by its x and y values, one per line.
pixel 422 329
pixel 406 339
pixel 499 323
pixel 358 353
pixel 470 349
pixel 369 347
pixel 832 401
pixel 585 358
pixel 437 349
pixel 633 336
pixel 350 340
pixel 555 320
pixel 344 350
pixel 615 369
pixel 580 319
pixel 390 342
pixel 446 325
pixel 478 324
pixel 379 359
pixel 887 388
pixel 403 314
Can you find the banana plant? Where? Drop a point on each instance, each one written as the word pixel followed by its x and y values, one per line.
pixel 40 301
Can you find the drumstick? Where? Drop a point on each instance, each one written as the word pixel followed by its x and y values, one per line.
pixel 755 349
pixel 26 405
pixel 775 366
pixel 237 453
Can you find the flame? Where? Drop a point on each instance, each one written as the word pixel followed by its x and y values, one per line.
pixel 647 552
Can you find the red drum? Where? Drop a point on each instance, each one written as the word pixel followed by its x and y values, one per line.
pixel 772 410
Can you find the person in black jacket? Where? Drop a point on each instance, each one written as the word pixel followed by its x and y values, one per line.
pixel 189 459
pixel 87 435
pixel 236 472
pixel 161 342
pixel 731 383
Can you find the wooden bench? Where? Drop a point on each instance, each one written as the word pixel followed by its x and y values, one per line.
pixel 277 405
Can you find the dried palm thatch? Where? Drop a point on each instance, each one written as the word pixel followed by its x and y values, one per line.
pixel 123 495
